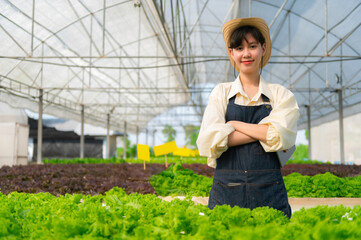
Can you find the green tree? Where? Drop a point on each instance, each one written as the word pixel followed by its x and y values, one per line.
pixel 191 135
pixel 131 150
pixel 169 133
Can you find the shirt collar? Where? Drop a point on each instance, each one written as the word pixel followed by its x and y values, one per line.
pixel 264 88
pixel 238 88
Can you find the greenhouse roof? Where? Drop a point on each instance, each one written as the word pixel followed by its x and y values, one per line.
pixel 134 61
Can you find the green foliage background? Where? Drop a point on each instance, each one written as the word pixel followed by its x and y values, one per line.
pixel 301 152
pixel 169 133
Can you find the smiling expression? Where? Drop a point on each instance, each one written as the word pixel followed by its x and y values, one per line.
pixel 248 55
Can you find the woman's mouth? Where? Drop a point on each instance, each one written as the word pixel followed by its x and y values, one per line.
pixel 246 62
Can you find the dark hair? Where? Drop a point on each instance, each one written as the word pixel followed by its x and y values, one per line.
pixel 240 34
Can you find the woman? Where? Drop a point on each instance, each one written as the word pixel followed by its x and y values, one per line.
pixel 246 122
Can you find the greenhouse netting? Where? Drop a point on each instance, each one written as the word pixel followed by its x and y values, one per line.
pixel 132 63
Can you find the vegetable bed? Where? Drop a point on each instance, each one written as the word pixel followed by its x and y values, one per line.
pixel 84 201
pixel 91 179
pixel 177 180
pixel 195 163
pixel 117 215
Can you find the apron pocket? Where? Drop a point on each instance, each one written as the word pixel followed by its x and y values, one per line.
pixel 266 194
pixel 230 185
pixel 231 193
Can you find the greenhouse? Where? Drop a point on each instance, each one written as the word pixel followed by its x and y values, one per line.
pixel 101 103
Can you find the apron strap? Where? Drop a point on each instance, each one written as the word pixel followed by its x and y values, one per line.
pixel 231 100
pixel 265 98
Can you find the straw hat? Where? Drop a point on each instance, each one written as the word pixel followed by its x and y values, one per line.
pixel 259 23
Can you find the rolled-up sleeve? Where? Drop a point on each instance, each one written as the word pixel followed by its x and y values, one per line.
pixel 282 121
pixel 213 135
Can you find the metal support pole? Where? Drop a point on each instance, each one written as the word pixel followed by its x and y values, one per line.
pixel 108 137
pixel 146 136
pixel 309 117
pixel 32 29
pixel 137 139
pixel 125 140
pixel 340 111
pixel 139 39
pixel 82 133
pixel 326 75
pixel 289 48
pixel 244 8
pixel 326 29
pixel 103 46
pixel 90 49
pixel 137 136
pixel 309 131
pixel 154 131
pixel 40 127
pixel 178 22
pixel 174 28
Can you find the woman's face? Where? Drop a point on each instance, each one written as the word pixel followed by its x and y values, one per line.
pixel 248 55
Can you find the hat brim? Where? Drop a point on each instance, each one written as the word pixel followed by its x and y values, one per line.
pixel 230 26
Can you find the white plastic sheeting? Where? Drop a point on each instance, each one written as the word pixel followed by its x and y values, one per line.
pixel 118 57
pixel 98 54
pixel 316 46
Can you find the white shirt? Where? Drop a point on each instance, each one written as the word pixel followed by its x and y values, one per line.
pixel 213 135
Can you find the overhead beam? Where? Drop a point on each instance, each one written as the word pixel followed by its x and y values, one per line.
pixel 216 57
pixel 79 19
pixel 277 14
pixel 342 40
pixel 32 29
pixel 314 23
pixel 194 25
pixel 163 35
pixel 14 40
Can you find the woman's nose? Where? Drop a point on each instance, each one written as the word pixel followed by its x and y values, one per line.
pixel 246 52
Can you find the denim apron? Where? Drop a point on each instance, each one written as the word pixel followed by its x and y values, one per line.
pixel 246 175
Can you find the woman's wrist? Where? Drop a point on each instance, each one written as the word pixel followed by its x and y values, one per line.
pixel 237 138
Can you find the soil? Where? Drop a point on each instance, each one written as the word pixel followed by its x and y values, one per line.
pixel 88 179
pixel 93 179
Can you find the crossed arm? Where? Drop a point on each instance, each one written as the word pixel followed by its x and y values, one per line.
pixel 246 133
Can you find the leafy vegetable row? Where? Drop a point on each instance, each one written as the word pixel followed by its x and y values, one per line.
pixel 59 179
pixel 160 160
pixel 177 180
pixel 322 185
pixel 117 215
